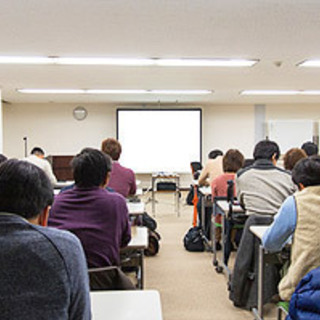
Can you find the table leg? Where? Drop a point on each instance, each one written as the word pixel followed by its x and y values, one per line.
pixel 258 312
pixel 153 200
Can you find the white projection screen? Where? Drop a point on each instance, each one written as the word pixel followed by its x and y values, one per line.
pixel 159 140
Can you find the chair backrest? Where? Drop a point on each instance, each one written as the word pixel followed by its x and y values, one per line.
pixel 109 278
pixel 196 167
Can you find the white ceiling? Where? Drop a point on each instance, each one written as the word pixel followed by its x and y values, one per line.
pixel 286 31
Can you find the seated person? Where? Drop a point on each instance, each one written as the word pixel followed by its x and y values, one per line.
pixel 212 168
pixel 262 187
pixel 298 217
pixel 292 156
pixel 43 272
pixel 232 161
pixel 310 148
pixel 99 218
pixel 37 158
pixel 122 180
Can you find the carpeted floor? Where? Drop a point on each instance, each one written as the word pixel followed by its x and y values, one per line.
pixel 190 288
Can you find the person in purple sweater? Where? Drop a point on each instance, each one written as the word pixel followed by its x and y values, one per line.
pixel 122 180
pixel 99 218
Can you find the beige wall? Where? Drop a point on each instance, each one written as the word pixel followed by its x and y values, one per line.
pixel 52 127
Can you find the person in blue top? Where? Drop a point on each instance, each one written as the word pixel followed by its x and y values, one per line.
pixel 299 218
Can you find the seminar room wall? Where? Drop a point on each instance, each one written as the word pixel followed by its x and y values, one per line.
pixel 53 127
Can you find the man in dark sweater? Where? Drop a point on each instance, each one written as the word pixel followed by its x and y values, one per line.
pixel 99 218
pixel 43 272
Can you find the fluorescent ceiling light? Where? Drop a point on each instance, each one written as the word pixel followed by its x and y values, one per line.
pixel 205 62
pixel 279 92
pixel 268 92
pixel 128 61
pixel 25 60
pixel 113 91
pixel 52 91
pixel 105 61
pixel 309 63
pixel 181 91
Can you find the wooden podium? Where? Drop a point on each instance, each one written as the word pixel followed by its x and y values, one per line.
pixel 61 167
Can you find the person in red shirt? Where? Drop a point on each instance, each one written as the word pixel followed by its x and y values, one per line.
pixel 232 161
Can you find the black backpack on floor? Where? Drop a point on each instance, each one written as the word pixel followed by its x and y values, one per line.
pixel 193 240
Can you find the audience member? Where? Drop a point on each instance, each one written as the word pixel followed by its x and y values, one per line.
pixel 37 157
pixel 298 216
pixel 310 148
pixel 262 187
pixel 122 180
pixel 212 168
pixel 99 218
pixel 232 161
pixel 292 156
pixel 43 272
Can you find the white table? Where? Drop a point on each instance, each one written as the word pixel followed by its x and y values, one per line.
pixel 136 208
pixel 225 207
pixel 165 176
pixel 139 241
pixel 139 238
pixel 126 305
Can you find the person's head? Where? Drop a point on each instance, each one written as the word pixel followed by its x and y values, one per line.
pixel 267 150
pixel 292 156
pixel 215 153
pixel 38 152
pixel 3 158
pixel 25 190
pixel 306 172
pixel 310 148
pixel 111 147
pixel 91 168
pixel 232 161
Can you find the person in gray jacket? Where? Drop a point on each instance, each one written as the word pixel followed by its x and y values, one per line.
pixel 43 273
pixel 262 187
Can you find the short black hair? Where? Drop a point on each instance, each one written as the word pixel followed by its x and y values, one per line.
pixel 265 149
pixel 215 153
pixel 37 150
pixel 90 168
pixel 310 148
pixel 3 158
pixel 307 171
pixel 25 189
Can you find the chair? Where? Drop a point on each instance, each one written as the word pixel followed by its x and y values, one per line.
pixel 196 167
pixel 109 278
